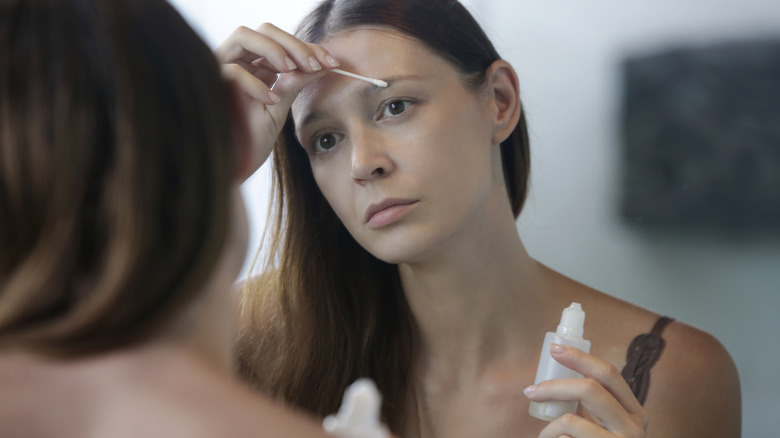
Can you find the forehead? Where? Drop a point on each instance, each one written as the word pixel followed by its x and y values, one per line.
pixel 364 45
pixel 376 53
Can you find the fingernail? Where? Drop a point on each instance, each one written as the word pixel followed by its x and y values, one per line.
pixel 290 63
pixel 557 348
pixel 332 61
pixel 529 390
pixel 315 65
pixel 274 97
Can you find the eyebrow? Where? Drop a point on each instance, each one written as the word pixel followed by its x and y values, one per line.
pixel 368 91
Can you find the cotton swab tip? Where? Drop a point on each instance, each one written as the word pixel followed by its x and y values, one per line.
pixel 378 82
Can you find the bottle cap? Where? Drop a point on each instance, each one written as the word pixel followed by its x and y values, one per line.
pixel 358 416
pixel 572 321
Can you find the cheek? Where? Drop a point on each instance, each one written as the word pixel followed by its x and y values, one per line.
pixel 456 147
pixel 331 182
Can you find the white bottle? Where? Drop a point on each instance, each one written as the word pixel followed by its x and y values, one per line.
pixel 358 416
pixel 569 332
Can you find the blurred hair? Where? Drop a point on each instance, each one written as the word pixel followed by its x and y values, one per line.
pixel 115 171
pixel 327 312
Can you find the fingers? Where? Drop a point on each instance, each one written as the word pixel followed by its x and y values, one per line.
pixel 592 396
pixel 601 371
pixel 283 51
pixel 602 392
pixel 250 84
pixel 254 59
pixel 270 67
pixel 308 57
pixel 573 426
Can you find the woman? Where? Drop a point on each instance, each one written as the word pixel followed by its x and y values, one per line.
pixel 394 252
pixel 121 227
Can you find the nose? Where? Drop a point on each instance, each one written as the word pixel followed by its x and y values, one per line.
pixel 370 159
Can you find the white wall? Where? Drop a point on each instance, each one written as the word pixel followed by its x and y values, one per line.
pixel 567 53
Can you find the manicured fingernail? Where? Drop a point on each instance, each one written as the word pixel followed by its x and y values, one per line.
pixel 273 96
pixel 529 390
pixel 332 61
pixel 290 63
pixel 557 348
pixel 315 65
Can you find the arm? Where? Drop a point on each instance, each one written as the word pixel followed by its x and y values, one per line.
pixel 694 391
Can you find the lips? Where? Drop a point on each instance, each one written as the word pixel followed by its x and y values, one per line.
pixel 388 211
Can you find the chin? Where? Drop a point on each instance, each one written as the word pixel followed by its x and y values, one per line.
pixel 395 257
pixel 399 248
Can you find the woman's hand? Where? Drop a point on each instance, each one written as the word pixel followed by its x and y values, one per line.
pixel 254 60
pixel 608 408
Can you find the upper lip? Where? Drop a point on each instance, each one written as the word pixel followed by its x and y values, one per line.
pixel 387 203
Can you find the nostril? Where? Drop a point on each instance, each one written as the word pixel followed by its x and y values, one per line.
pixel 378 171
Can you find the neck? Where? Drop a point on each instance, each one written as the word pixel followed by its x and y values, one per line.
pixel 207 327
pixel 476 302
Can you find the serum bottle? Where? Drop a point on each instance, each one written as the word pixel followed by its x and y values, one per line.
pixel 358 416
pixel 569 333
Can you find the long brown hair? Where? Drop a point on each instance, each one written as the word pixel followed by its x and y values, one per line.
pixel 115 171
pixel 326 311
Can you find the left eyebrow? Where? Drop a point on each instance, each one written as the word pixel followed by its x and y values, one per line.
pixel 371 89
pixel 368 91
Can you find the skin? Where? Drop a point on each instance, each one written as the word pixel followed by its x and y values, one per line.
pixel 481 302
pixel 414 155
pixel 180 382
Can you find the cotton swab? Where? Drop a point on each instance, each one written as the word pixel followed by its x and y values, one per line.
pixel 378 82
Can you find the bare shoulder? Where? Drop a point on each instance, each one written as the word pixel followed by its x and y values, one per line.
pixel 610 323
pixel 695 389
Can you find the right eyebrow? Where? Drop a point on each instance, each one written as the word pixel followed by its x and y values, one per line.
pixel 309 118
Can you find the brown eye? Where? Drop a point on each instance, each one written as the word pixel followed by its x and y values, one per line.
pixel 325 142
pixel 396 108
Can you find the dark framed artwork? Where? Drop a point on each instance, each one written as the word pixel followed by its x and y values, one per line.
pixel 701 139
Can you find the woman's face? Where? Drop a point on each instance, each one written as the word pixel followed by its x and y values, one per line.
pixel 407 168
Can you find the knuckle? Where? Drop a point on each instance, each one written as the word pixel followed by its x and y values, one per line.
pixel 231 70
pixel 231 67
pixel 275 52
pixel 300 45
pixel 592 387
pixel 266 27
pixel 319 50
pixel 608 371
pixel 636 431
pixel 242 31
pixel 568 420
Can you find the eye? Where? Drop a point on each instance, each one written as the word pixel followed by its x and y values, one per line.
pixel 325 142
pixel 395 108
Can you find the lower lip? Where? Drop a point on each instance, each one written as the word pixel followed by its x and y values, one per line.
pixel 390 215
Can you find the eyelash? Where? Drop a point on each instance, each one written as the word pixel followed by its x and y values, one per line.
pixel 386 105
pixel 383 107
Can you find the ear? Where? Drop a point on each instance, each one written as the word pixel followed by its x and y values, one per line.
pixel 242 137
pixel 504 94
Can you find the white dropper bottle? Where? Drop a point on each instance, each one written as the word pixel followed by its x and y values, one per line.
pixel 358 416
pixel 569 332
